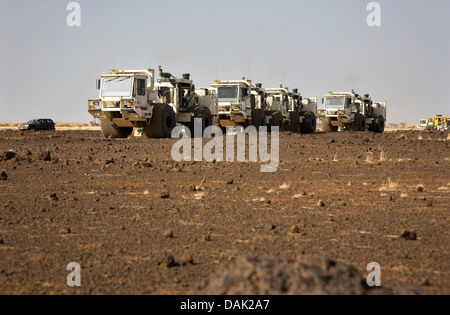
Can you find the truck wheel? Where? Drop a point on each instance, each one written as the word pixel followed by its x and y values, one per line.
pixel 309 124
pixel 111 130
pixel 327 127
pixel 203 113
pixel 162 123
pixel 276 121
pixel 294 125
pixel 360 123
pixel 378 125
pixel 258 118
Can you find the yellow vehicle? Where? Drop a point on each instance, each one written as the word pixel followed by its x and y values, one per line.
pixel 438 122
pixel 441 122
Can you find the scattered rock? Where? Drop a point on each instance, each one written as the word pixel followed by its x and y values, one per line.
pixel 45 156
pixel 321 203
pixel 272 227
pixel 3 176
pixel 281 276
pixel 195 188
pixel 146 164
pixel 409 235
pixel 164 260
pixel 168 234
pixel 295 229
pixel 164 195
pixel 426 283
pixel 65 231
pixel 420 189
pixel 2 242
pixel 225 257
pixel 7 155
pixel 186 260
pixel 230 182
pixel 53 197
pixel 109 162
pixel 206 238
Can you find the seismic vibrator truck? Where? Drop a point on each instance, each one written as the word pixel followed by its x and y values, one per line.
pixel 353 112
pixel 290 110
pixel 132 98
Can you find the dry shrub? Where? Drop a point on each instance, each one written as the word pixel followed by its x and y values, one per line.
pixel 389 186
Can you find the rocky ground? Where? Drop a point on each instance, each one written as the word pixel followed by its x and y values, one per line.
pixel 138 222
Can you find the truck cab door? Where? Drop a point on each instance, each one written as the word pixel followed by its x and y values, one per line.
pixel 348 106
pixel 140 91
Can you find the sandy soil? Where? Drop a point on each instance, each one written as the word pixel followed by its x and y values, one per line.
pixel 67 126
pixel 121 207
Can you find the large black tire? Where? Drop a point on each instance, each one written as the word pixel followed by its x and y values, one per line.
pixel 293 124
pixel 327 127
pixel 309 124
pixel 378 125
pixel 276 121
pixel 111 130
pixel 203 113
pixel 258 118
pixel 359 123
pixel 162 123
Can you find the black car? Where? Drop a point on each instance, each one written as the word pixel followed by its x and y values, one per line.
pixel 38 124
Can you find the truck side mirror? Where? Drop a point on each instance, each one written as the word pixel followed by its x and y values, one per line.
pixel 99 84
pixel 323 101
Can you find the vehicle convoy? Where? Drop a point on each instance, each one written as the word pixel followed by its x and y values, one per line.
pixel 353 112
pixel 239 103
pixel 38 124
pixel 132 98
pixel 438 122
pixel 290 111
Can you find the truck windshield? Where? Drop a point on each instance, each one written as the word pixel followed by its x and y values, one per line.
pixel 336 102
pixel 116 87
pixel 228 94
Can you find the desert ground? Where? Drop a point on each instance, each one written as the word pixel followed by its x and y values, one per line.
pixel 139 223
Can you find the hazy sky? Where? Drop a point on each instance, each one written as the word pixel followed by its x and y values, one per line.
pixel 48 69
